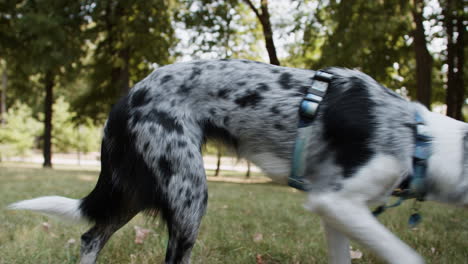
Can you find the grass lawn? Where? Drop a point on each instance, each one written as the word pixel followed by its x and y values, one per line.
pixel 245 223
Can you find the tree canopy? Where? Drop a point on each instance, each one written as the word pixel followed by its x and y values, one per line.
pixel 91 52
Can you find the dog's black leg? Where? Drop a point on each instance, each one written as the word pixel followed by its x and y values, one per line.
pixel 95 238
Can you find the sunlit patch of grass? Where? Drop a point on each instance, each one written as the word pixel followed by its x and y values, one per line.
pixel 243 222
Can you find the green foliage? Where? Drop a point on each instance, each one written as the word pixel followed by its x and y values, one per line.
pixel 18 134
pixel 128 38
pixel 69 136
pixel 221 29
pixel 373 36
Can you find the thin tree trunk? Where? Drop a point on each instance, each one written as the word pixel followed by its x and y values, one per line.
pixel 423 57
pixel 49 101
pixel 453 99
pixel 3 96
pixel 460 64
pixel 247 174
pixel 218 163
pixel 264 18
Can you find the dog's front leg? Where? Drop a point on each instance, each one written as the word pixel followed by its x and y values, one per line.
pixel 338 246
pixel 352 218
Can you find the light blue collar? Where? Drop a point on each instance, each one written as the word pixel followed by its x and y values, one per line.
pixel 307 112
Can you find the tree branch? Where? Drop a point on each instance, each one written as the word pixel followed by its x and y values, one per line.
pixel 254 9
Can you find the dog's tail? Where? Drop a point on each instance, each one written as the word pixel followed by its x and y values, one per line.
pixel 58 206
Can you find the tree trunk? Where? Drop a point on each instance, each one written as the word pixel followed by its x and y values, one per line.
pixel 247 174
pixel 268 33
pixel 49 101
pixel 3 96
pixel 218 163
pixel 460 82
pixel 455 60
pixel 264 18
pixel 423 57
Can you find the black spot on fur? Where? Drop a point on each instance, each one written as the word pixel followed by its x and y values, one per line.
pixel 166 78
pixel 348 122
pixel 168 148
pixel 140 97
pixel 195 73
pixel 173 102
pixel 275 71
pixel 146 146
pixel 278 126
pixel 165 120
pixel 250 98
pixel 165 167
pixel 183 89
pixel 224 93
pixel 274 110
pixel 241 83
pixel 226 120
pixel 181 144
pixel 285 80
pixel 263 87
pixel 212 111
pixel 152 129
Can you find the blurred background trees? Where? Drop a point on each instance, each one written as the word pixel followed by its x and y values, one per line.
pixel 64 63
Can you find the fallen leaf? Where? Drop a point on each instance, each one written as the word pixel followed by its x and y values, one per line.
pixel 140 234
pixel 433 250
pixel 258 237
pixel 259 259
pixel 355 254
pixel 46 227
pixel 71 241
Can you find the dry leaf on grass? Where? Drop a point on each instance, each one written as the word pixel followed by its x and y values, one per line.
pixel 47 227
pixel 140 234
pixel 355 254
pixel 259 259
pixel 258 237
pixel 71 241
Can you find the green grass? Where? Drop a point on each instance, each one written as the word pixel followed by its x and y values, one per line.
pixel 236 213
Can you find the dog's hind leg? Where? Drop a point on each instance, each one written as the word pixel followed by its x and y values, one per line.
pixel 95 238
pixel 187 200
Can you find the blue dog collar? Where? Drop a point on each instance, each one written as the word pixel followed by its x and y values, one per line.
pixel 415 185
pixel 307 112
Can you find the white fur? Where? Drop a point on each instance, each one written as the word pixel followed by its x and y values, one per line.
pixel 338 246
pixel 61 207
pixel 446 162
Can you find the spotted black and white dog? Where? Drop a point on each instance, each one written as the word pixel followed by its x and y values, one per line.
pixel 360 150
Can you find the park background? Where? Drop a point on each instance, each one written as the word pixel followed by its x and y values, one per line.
pixel 63 64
